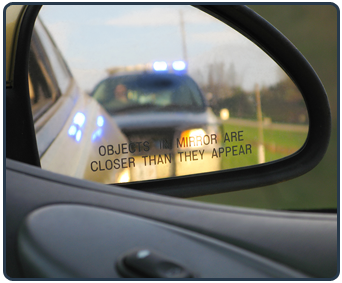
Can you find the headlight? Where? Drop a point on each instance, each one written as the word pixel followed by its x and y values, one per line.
pixel 124 176
pixel 196 138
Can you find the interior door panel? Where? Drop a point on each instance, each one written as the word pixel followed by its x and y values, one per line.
pixel 93 239
pixel 62 227
pixel 262 243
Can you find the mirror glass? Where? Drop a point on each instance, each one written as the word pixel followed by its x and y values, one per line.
pixel 170 91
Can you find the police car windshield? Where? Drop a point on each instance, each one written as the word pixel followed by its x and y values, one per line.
pixel 140 92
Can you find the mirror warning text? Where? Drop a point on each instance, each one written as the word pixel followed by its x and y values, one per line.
pixel 234 150
pixel 196 141
pixel 112 164
pixel 211 143
pixel 157 159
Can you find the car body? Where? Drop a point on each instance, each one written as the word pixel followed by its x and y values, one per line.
pixel 62 227
pixel 67 121
pixel 167 112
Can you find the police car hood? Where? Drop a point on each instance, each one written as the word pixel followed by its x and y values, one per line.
pixel 158 120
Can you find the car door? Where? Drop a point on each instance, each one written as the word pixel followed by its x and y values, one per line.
pixel 63 113
pixel 58 226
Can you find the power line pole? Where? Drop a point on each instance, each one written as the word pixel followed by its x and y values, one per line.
pixel 185 55
pixel 261 146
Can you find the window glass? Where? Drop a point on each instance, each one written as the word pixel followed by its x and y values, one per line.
pixel 60 70
pixel 172 92
pixel 156 91
pixel 42 84
pixel 238 108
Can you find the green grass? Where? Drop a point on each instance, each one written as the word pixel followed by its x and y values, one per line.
pixel 314 190
pixel 278 144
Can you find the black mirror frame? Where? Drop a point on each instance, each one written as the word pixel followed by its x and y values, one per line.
pixel 263 34
pixel 288 57
pixel 21 144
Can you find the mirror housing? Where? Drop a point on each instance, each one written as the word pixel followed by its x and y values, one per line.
pixel 282 51
pixel 259 31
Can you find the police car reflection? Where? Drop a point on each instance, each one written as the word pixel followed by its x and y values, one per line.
pixel 166 112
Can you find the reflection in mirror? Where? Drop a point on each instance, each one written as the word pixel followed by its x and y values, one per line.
pixel 189 94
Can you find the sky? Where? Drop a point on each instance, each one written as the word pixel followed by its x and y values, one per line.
pixel 93 38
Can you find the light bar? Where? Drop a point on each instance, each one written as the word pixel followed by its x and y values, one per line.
pixel 179 65
pixel 160 66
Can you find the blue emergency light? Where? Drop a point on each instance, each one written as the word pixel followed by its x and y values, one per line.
pixel 72 130
pixel 160 66
pixel 79 119
pixel 179 65
pixel 78 122
pixel 78 135
pixel 100 121
pixel 96 134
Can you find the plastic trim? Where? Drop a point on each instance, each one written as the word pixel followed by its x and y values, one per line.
pixel 304 241
pixel 21 142
pixel 264 35
pixel 276 45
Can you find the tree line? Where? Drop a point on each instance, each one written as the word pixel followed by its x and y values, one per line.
pixel 281 102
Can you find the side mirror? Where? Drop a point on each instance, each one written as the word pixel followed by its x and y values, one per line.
pixel 114 156
pixel 283 52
